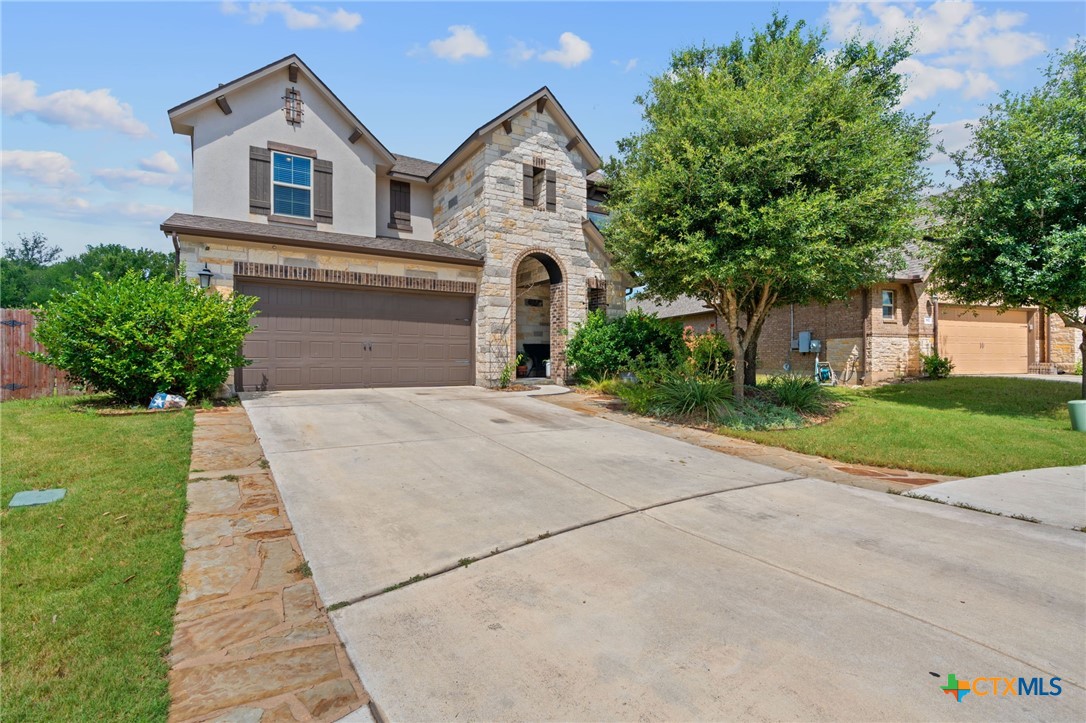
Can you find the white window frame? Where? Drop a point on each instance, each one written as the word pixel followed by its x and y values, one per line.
pixel 274 183
pixel 892 305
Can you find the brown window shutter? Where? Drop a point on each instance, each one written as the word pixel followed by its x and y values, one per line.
pixel 529 194
pixel 259 180
pixel 399 198
pixel 322 191
pixel 552 197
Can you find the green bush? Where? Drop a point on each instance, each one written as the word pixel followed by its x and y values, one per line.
pixel 710 354
pixel 680 395
pixel 134 337
pixel 802 394
pixel 638 397
pixel 935 366
pixel 1078 368
pixel 757 414
pixel 602 346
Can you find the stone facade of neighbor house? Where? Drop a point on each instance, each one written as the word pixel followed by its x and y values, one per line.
pixel 868 342
pixel 379 269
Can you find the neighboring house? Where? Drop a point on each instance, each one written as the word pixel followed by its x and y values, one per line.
pixel 378 269
pixel 880 332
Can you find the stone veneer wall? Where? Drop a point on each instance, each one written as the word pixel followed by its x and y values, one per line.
pixel 1065 342
pixel 488 216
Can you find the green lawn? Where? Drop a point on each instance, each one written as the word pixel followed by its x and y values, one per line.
pixel 88 585
pixel 959 426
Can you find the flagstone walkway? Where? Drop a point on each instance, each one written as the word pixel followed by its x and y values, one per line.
pixel 252 640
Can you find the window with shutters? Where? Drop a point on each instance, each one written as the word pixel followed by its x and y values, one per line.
pixel 539 186
pixel 292 186
pixel 399 205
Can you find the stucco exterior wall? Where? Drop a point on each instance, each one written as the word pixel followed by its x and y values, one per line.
pixel 422 208
pixel 220 154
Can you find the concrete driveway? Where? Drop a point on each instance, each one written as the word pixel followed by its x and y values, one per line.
pixel 627 575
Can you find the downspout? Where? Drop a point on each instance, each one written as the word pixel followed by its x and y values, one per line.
pixel 1048 337
pixel 791 334
pixel 176 255
pixel 865 320
pixel 935 324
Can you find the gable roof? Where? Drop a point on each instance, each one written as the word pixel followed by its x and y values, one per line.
pixel 180 111
pixel 472 142
pixel 682 306
pixel 408 166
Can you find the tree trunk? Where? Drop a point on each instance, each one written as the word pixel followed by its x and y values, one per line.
pixel 738 370
pixel 750 363
pixel 1082 357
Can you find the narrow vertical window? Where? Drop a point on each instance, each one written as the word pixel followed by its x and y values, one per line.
pixel 292 185
pixel 887 304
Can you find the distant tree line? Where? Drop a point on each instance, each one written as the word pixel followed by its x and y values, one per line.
pixel 33 269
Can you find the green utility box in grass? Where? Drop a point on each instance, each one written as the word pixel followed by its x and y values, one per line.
pixel 1077 408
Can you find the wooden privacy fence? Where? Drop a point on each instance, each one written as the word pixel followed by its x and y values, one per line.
pixel 20 376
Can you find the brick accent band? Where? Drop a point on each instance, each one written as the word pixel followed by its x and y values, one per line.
pixel 350 278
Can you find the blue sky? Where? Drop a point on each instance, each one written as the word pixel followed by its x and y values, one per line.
pixel 88 156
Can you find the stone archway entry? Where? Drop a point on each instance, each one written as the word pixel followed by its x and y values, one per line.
pixel 539 316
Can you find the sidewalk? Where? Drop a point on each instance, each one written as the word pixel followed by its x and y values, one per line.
pixel 1053 496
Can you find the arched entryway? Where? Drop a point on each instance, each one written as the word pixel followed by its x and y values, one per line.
pixel 539 317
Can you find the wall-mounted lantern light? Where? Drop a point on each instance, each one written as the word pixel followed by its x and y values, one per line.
pixel 205 277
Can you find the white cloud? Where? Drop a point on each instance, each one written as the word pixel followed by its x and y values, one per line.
pixel 571 51
pixel 77 208
pixel 48 168
pixel 960 32
pixel 954 136
pixel 315 18
pixel 463 42
pixel 923 81
pixel 123 178
pixel 77 109
pixel 955 44
pixel 519 52
pixel 626 66
pixel 161 162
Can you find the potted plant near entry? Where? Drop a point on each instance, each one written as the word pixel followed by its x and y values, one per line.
pixel 522 366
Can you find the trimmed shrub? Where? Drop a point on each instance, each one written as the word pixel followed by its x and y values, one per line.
pixel 935 366
pixel 802 394
pixel 603 346
pixel 134 337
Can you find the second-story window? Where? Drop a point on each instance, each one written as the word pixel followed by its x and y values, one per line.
pixel 399 212
pixel 292 185
pixel 887 305
pixel 539 186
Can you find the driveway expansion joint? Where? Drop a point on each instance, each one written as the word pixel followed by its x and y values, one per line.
pixel 466 561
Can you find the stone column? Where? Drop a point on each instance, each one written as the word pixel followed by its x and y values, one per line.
pixel 558 332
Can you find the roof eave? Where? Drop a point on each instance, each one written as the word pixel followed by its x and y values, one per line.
pixel 168 229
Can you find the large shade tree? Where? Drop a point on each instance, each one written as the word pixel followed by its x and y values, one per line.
pixel 1014 231
pixel 769 171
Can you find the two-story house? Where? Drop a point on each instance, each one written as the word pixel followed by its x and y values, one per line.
pixel 378 269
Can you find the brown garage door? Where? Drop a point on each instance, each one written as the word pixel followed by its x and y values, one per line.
pixel 985 343
pixel 310 336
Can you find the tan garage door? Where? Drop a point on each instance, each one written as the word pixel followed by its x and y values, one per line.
pixel 985 343
pixel 310 336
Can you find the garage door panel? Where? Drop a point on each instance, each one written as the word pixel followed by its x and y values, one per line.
pixel 311 336
pixel 984 342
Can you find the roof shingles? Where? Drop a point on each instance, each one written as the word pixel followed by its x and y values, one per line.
pixel 207 226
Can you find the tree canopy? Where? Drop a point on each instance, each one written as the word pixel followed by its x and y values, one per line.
pixel 30 271
pixel 1014 230
pixel 769 171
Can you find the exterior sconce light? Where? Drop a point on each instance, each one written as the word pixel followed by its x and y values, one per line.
pixel 205 277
